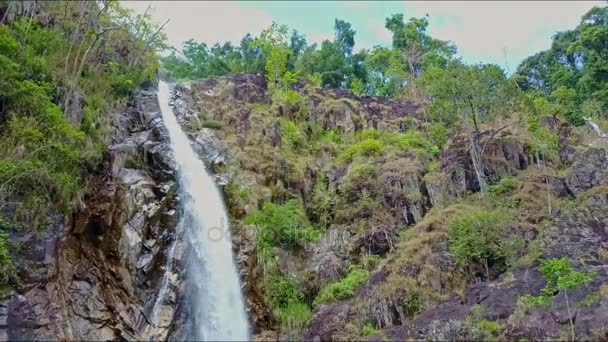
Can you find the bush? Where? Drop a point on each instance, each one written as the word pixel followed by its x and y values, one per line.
pixel 368 329
pixel 344 288
pixel 286 303
pixel 366 148
pixel 293 102
pixel 505 185
pixel 292 134
pixel 412 140
pixel 294 316
pixel 478 237
pixel 213 124
pixel 365 134
pixel 282 225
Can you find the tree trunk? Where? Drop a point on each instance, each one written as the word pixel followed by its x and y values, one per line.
pixel 476 158
pixel 569 315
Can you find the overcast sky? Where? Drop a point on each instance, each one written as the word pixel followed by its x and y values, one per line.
pixel 482 31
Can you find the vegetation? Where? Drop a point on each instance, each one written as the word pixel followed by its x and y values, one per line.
pixel 478 238
pixel 287 304
pixel 343 288
pixel 281 225
pixel 560 278
pixel 47 141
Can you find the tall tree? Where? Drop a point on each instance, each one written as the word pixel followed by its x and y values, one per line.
pixel 470 95
pixel 344 36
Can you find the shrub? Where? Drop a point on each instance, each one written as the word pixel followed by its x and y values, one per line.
pixel 505 185
pixel 286 303
pixel 213 124
pixel 438 134
pixel 294 316
pixel 283 225
pixel 365 134
pixel 293 102
pixel 560 277
pixel 343 288
pixel 412 140
pixel 292 134
pixel 366 148
pixel 367 329
pixel 478 237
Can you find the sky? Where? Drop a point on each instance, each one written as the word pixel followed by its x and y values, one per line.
pixel 500 32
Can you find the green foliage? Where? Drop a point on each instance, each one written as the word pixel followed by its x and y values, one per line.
pixel 365 148
pixel 294 316
pixel 367 329
pixel 482 329
pixel 505 185
pixel 412 140
pixel 479 237
pixel 51 68
pixel 293 102
pixel 560 277
pixel 282 225
pixel 468 94
pixel 283 291
pixel 292 134
pixel 7 268
pixel 213 124
pixel 344 288
pixel 590 299
pixel 438 134
pixel 572 71
pixel 357 86
pixel 322 203
pixel 286 303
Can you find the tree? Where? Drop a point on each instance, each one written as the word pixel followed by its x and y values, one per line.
pixel 469 95
pixel 345 36
pixel 273 42
pixel 560 277
pixel 576 60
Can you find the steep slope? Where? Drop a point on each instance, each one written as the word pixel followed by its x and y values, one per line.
pixel 344 211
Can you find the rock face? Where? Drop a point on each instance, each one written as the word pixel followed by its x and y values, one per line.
pixel 94 275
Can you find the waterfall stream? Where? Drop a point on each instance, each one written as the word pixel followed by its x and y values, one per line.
pixel 217 302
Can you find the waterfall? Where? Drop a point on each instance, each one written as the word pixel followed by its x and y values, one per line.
pixel 596 128
pixel 218 309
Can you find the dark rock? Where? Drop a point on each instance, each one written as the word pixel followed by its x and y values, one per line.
pixel 591 170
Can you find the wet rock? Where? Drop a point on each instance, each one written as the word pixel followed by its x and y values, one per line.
pixel 208 146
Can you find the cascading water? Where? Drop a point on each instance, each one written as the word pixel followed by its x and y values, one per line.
pixel 217 302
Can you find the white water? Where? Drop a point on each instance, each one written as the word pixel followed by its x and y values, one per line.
pixel 596 128
pixel 219 313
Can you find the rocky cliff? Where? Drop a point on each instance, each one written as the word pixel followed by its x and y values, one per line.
pixel 390 211
pixel 94 275
pixel 381 212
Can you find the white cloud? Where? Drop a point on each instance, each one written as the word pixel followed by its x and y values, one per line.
pixel 483 30
pixel 206 21
pixel 381 33
pixel 319 37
